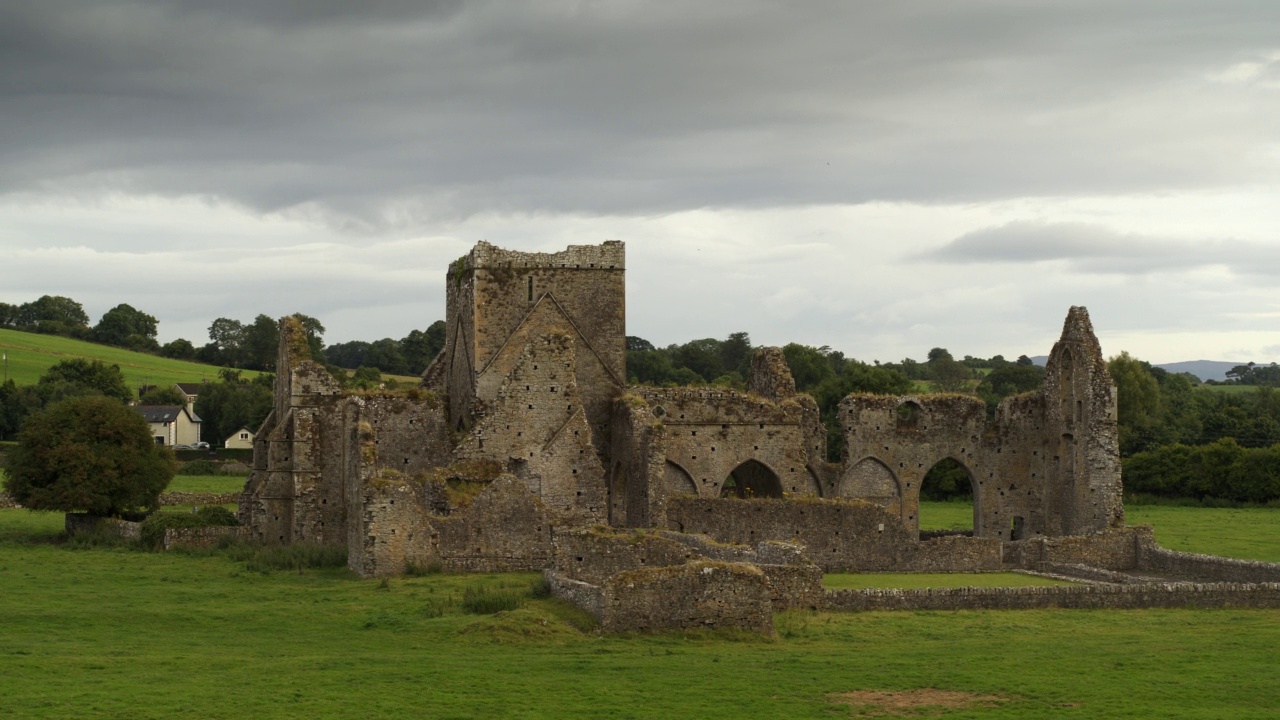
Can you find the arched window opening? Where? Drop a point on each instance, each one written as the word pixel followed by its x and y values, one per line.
pixel 908 416
pixel 947 500
pixel 751 479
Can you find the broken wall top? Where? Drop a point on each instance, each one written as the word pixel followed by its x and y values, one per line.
pixel 609 255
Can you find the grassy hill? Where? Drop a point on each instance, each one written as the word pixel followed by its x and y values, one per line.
pixel 30 355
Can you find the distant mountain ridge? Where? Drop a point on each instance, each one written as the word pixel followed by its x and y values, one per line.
pixel 1203 369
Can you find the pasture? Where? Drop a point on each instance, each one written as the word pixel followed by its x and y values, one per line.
pixel 112 632
pixel 31 354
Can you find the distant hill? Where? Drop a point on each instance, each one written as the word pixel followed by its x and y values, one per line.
pixel 1203 369
pixel 31 354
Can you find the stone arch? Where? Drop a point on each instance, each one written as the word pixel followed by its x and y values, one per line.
pixel 751 479
pixel 975 521
pixel 871 479
pixel 908 416
pixel 678 481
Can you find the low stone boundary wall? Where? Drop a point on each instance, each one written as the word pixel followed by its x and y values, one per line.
pixel 205 537
pixel 1084 572
pixel 1206 567
pixel 1115 549
pixel 699 594
pixel 192 498
pixel 7 502
pixel 956 553
pixel 1100 597
pixel 585 595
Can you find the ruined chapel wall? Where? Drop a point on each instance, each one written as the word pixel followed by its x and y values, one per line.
pixel 710 433
pixel 514 296
pixel 1019 493
pixel 699 594
pixel 638 465
pixel 839 535
pixel 505 529
pixel 1082 421
pixel 908 435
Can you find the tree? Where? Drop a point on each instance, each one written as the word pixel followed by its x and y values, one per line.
pixel 347 354
pixel 226 335
pixel 1138 403
pixel 123 326
pixel 232 403
pixel 385 355
pixel 16 403
pixel 947 374
pixel 809 365
pixel 179 349
pixel 420 348
pixel 52 314
pixel 162 396
pixel 88 453
pixel 79 376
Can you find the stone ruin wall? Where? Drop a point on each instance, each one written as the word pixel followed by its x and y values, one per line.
pixel 497 300
pixel 646 580
pixel 535 379
pixel 839 535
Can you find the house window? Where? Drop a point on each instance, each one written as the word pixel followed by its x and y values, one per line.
pixel 244 436
pixel 159 440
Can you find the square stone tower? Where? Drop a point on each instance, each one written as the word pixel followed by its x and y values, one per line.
pixel 500 300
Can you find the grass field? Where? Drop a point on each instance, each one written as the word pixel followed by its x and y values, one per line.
pixel 207 483
pixel 110 633
pixel 117 633
pixel 31 354
pixel 1246 533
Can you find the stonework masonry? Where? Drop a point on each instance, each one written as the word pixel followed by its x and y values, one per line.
pixel 524 449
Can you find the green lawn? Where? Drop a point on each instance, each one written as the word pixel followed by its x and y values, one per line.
pixel 116 633
pixel 31 354
pixel 207 483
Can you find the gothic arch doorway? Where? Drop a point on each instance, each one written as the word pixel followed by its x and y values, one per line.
pixel 751 479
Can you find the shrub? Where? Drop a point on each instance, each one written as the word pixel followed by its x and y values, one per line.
pixel 200 467
pixel 151 534
pixel 296 557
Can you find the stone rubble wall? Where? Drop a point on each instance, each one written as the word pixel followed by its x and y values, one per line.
pixel 205 537
pixel 585 595
pixel 198 498
pixel 1116 549
pixel 1154 558
pixel 696 595
pixel 505 529
pixel 1093 597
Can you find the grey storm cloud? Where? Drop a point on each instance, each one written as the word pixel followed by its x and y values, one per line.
pixel 1098 249
pixel 395 113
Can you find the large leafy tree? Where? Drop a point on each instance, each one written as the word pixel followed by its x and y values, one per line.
pixel 124 326
pixel 232 403
pixel 80 376
pixel 89 453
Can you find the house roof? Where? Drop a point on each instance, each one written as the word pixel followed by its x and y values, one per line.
pixel 163 413
pixel 237 432
pixel 189 388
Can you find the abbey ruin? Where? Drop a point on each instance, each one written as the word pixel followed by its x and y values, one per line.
pixel 524 448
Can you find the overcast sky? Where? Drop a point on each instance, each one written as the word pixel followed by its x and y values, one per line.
pixel 882 178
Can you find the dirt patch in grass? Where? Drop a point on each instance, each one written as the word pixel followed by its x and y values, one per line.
pixel 912 703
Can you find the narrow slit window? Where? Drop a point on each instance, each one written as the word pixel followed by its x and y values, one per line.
pixel 530 288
